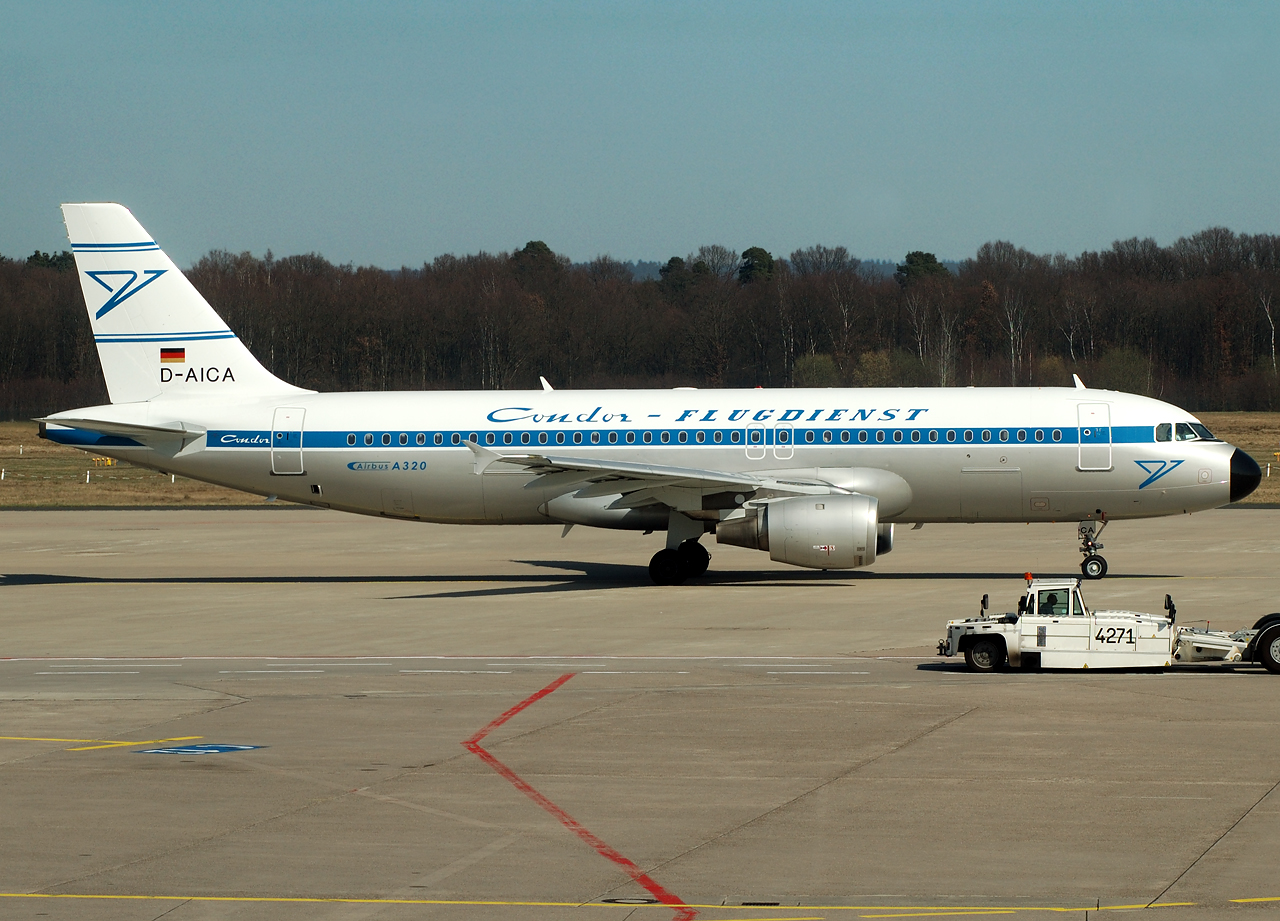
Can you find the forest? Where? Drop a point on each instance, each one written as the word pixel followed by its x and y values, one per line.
pixel 1193 323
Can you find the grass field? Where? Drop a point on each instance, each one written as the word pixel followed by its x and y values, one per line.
pixel 41 474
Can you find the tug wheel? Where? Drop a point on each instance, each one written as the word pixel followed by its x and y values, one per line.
pixel 985 655
pixel 1267 649
pixel 1093 567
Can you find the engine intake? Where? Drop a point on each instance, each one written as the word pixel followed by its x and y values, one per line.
pixel 820 532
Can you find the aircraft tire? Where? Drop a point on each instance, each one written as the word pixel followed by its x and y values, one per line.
pixel 666 568
pixel 1267 649
pixel 1093 567
pixel 985 655
pixel 694 558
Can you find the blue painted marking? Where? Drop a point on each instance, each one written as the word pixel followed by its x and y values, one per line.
pixel 125 291
pixel 165 337
pixel 82 438
pixel 1157 469
pixel 106 247
pixel 198 749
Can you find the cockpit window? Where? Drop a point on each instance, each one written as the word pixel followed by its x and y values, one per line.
pixel 1185 433
pixel 1164 431
pixel 1204 433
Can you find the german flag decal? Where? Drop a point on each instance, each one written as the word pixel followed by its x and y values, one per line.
pixel 173 356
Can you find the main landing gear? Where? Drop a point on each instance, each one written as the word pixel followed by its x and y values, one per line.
pixel 673 566
pixel 1092 566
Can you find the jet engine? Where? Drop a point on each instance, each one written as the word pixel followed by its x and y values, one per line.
pixel 820 532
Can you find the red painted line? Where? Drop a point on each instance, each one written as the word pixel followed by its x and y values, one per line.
pixel 652 886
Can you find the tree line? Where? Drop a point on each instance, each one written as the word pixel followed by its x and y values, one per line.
pixel 1193 323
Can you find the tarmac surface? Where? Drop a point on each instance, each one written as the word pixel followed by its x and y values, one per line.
pixel 465 723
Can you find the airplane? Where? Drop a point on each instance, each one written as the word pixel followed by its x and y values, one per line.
pixel 816 478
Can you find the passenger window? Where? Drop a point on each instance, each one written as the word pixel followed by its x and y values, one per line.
pixel 1039 434
pixel 351 439
pixel 542 438
pixel 457 439
pixel 577 438
pixel 897 436
pixel 933 435
pixel 506 438
pixel 880 435
pixel 404 438
pixel 1184 432
pixel 700 437
pixel 717 437
pixel 422 438
pixel 1004 435
pixel 613 438
pixel 648 437
pixel 595 438
pixel 631 438
pixel 735 436
pixel 439 438
pixel 915 435
pixel 1022 434
pixel 862 437
pixel 524 438
pixel 683 437
pixel 826 436
pixel 1164 431
pixel 488 438
pixel 968 435
pixel 665 437
pixel 1057 434
pixel 951 435
pixel 559 438
pixel 986 434
pixel 844 436
pixel 386 438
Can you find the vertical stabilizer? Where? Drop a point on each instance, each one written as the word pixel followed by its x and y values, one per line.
pixel 156 335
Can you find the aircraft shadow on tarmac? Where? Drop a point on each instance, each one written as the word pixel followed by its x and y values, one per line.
pixel 568 576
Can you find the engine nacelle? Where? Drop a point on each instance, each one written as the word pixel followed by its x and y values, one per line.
pixel 820 532
pixel 884 539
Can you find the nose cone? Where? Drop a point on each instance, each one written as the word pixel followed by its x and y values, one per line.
pixel 1245 475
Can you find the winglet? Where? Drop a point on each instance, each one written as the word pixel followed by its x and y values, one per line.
pixel 546 385
pixel 1079 383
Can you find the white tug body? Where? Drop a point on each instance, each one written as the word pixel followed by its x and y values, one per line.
pixel 1054 628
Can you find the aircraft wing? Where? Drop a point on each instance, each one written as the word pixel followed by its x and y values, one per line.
pixel 639 484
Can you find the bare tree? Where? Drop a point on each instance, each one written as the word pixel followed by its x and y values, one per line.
pixel 916 303
pixel 720 260
pixel 1013 314
pixel 1264 301
pixel 817 260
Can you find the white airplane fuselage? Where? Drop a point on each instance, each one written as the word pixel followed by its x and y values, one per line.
pixel 989 454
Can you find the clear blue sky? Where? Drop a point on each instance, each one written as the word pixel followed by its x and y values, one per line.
pixel 387 134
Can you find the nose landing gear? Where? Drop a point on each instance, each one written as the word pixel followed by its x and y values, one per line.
pixel 1092 566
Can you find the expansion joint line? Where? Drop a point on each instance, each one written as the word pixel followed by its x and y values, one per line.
pixel 1216 841
pixel 643 879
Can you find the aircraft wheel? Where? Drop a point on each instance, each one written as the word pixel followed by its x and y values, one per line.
pixel 694 558
pixel 1093 567
pixel 1267 649
pixel 985 655
pixel 666 568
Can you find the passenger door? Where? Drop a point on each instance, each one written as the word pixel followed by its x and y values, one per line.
pixel 1095 436
pixel 286 442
